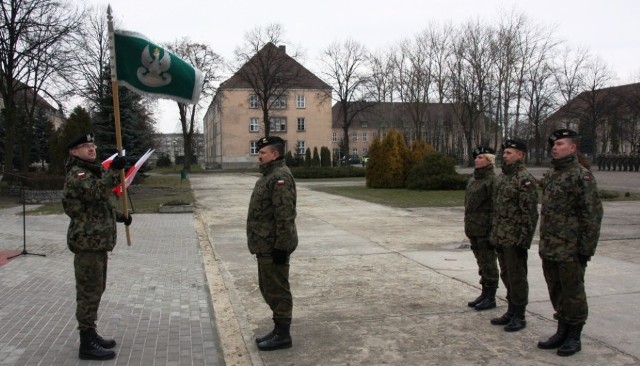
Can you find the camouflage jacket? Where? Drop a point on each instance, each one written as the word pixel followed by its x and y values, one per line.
pixel 515 212
pixel 478 203
pixel 272 211
pixel 571 212
pixel 86 200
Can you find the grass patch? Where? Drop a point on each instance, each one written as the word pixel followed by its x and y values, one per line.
pixel 406 198
pixel 145 198
pixel 403 198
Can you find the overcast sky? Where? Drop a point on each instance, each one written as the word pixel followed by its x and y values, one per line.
pixel 609 29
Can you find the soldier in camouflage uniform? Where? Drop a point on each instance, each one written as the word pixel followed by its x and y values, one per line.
pixel 569 230
pixel 514 221
pixel 478 206
pixel 272 237
pixel 91 234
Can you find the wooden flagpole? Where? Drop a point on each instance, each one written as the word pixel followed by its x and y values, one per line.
pixel 116 115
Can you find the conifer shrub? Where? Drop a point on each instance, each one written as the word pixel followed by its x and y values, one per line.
pixel 388 162
pixel 325 157
pixel 315 161
pixel 436 172
pixel 307 158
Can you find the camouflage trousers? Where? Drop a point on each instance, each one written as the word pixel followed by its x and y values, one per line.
pixel 273 280
pixel 513 272
pixel 486 258
pixel 91 279
pixel 565 281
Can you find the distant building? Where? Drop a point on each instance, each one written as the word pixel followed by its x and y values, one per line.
pixel 607 119
pixel 439 126
pixel 233 122
pixel 172 145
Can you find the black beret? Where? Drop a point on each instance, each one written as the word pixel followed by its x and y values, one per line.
pixel 271 140
pixel 81 139
pixel 561 134
pixel 482 150
pixel 516 144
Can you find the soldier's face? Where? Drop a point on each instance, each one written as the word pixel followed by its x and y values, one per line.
pixel 267 154
pixel 481 161
pixel 562 148
pixel 511 155
pixel 86 151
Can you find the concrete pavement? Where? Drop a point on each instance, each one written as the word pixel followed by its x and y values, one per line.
pixel 377 285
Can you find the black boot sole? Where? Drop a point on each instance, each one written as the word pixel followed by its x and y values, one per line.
pixel 280 346
pixel 84 356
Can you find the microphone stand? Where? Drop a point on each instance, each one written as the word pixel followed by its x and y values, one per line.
pixel 24 221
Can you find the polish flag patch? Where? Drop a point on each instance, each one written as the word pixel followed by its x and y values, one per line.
pixel 280 182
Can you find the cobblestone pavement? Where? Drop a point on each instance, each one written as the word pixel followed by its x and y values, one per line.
pixel 156 305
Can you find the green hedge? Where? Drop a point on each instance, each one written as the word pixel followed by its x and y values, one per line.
pixel 331 172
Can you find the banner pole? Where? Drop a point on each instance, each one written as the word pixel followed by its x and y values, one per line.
pixel 116 116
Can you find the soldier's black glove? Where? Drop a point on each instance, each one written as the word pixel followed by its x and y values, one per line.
pixel 499 249
pixel 583 259
pixel 118 163
pixel 521 252
pixel 279 256
pixel 127 221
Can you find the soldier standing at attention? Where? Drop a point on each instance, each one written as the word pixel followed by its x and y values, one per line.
pixel 514 221
pixel 272 237
pixel 478 206
pixel 569 230
pixel 91 234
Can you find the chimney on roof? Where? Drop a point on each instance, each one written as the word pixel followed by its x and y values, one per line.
pixel 283 48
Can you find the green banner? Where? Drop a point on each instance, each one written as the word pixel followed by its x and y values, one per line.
pixel 149 69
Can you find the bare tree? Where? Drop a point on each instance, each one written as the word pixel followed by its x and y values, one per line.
pixel 381 86
pixel 204 59
pixel 265 66
pixel 470 69
pixel 344 65
pixel 92 57
pixel 33 38
pixel 413 81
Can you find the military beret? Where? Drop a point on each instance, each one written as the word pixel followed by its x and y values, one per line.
pixel 81 139
pixel 271 140
pixel 516 144
pixel 482 150
pixel 562 134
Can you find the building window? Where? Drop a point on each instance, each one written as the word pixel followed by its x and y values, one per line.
pixel 365 151
pixel 300 123
pixel 334 137
pixel 300 101
pixel 253 125
pixel 253 101
pixel 354 137
pixel 253 148
pixel 354 151
pixel 336 153
pixel 364 124
pixel 365 137
pixel 279 102
pixel 300 148
pixel 278 124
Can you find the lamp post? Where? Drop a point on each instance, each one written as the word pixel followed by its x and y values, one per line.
pixel 174 143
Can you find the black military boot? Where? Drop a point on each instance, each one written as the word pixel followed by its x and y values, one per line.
pixel 489 301
pixel 517 321
pixel 472 304
pixel 280 339
pixel 266 336
pixel 104 343
pixel 90 349
pixel 557 339
pixel 505 318
pixel 572 344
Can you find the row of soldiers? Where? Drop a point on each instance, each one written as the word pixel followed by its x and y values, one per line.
pixel 619 162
